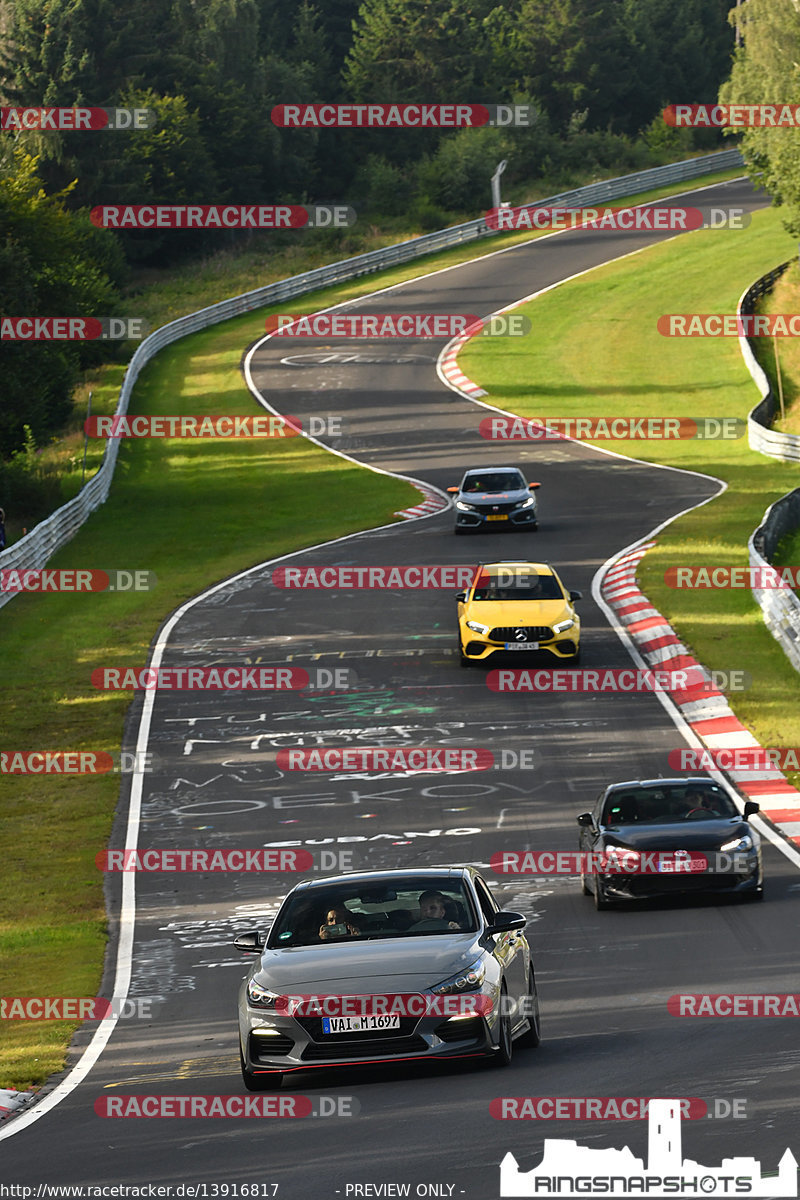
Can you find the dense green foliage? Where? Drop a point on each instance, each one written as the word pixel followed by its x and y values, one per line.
pixel 765 72
pixel 597 73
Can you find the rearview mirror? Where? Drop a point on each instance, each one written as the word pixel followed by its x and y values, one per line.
pixel 461 596
pixel 504 922
pixel 586 820
pixel 251 942
pixel 751 807
pixel 576 595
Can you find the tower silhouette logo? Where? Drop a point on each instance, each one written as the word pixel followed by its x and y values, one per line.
pixel 568 1169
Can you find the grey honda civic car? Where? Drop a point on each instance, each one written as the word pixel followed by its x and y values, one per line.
pixel 385 966
pixel 494 498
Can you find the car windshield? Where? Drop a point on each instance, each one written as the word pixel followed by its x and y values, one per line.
pixel 533 587
pixel 345 912
pixel 664 805
pixel 494 481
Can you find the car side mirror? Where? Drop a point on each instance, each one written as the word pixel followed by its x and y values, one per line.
pixel 576 595
pixel 251 942
pixel 454 491
pixel 586 820
pixel 533 486
pixel 504 922
pixel 751 807
pixel 461 596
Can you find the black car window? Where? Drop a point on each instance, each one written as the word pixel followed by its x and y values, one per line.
pixel 668 804
pixel 494 481
pixel 540 587
pixel 373 910
pixel 486 901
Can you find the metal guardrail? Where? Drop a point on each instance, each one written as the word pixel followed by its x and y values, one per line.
pixel 35 549
pixel 784 446
pixel 780 605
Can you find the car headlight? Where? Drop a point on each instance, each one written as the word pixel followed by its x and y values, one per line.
pixel 465 981
pixel 529 503
pixel 476 627
pixel 562 626
pixel 742 843
pixel 465 507
pixel 260 997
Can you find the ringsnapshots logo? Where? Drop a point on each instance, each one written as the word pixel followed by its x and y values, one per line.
pixel 416 326
pixel 732 116
pixel 613 428
pixel 570 1170
pixel 76 580
pixel 63 120
pixel 222 216
pixel 401 116
pixel 72 329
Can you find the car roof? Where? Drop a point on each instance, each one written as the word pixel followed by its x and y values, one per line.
pixel 491 470
pixel 389 876
pixel 669 781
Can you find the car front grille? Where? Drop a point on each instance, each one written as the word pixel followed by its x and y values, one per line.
pixel 533 633
pixel 367 1048
pixel 493 510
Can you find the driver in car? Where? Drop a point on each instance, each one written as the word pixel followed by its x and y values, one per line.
pixel 432 908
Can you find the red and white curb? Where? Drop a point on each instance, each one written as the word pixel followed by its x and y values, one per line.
pixel 453 373
pixel 10 1101
pixel 432 503
pixel 706 711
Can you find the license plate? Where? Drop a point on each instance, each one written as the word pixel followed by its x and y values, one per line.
pixel 502 517
pixel 522 645
pixel 680 862
pixel 360 1024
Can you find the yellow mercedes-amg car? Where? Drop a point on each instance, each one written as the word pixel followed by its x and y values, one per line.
pixel 517 606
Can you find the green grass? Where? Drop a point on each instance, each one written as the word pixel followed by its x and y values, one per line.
pixel 192 513
pixel 597 352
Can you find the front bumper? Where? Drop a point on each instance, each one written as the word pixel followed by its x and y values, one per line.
pixel 525 518
pixel 286 1043
pixel 478 649
pixel 646 887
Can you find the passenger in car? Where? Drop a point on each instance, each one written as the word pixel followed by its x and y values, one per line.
pixel 337 917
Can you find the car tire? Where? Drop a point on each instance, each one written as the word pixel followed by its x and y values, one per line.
pixel 259 1083
pixel 585 889
pixel 601 902
pixel 535 526
pixel 754 897
pixel 533 1036
pixel 502 1055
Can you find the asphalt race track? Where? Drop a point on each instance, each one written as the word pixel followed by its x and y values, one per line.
pixel 604 978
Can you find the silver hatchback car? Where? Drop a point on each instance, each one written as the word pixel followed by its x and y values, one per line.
pixel 382 966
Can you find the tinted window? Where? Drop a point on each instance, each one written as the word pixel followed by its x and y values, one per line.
pixel 405 907
pixel 494 481
pixel 539 587
pixel 664 805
